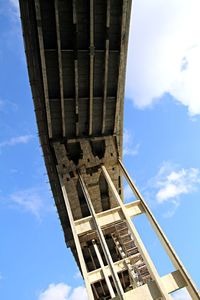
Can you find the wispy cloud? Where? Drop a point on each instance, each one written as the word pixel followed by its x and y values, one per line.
pixel 11 7
pixel 11 36
pixel 128 146
pixel 6 105
pixel 22 139
pixel 14 7
pixel 14 3
pixel 62 291
pixel 171 182
pixel 36 201
pixel 181 295
pixel 77 275
pixel 164 57
pixel 29 200
pixel 1 105
pixel 176 183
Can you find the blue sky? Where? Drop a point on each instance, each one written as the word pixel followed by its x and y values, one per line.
pixel 161 152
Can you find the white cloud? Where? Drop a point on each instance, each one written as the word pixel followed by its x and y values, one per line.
pixel 1 105
pixel 22 139
pixel 77 275
pixel 78 293
pixel 7 106
pixel 128 147
pixel 164 51
pixel 32 200
pixel 11 36
pixel 181 295
pixel 14 5
pixel 29 200
pixel 173 184
pixel 62 291
pixel 170 183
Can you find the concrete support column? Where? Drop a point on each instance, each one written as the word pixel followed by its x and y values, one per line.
pixel 136 237
pixel 76 240
pixel 112 294
pixel 102 240
pixel 163 239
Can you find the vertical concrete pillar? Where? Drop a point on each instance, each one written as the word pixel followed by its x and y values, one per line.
pixel 102 240
pixel 112 294
pixel 76 240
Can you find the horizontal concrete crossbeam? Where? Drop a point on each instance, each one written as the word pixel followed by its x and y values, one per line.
pixel 106 217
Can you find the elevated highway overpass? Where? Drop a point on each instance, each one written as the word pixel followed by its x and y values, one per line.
pixel 76 54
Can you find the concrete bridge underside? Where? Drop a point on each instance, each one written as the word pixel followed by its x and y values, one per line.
pixel 76 55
